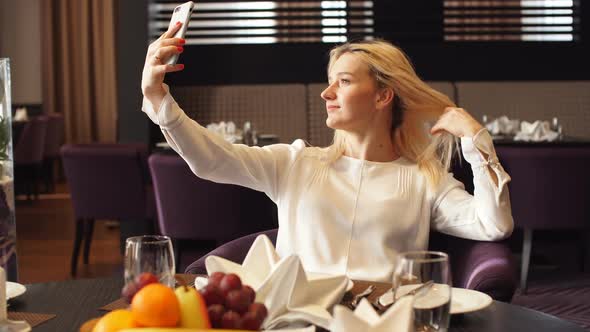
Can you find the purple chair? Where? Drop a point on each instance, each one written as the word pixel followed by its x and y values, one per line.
pixel 53 141
pixel 484 266
pixel 190 208
pixel 28 154
pixel 106 181
pixel 548 191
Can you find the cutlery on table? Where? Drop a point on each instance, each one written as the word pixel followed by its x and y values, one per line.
pixel 424 287
pixel 355 300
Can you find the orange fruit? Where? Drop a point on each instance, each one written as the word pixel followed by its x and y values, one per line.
pixel 156 305
pixel 114 321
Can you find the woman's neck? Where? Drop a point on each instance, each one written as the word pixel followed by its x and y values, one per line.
pixel 372 147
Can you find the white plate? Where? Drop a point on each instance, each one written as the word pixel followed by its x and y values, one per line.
pixel 201 282
pixel 462 300
pixel 14 289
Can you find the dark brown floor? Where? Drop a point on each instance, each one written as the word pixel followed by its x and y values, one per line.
pixel 45 235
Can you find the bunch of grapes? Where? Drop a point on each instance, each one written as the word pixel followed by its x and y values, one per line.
pixel 231 305
pixel 138 283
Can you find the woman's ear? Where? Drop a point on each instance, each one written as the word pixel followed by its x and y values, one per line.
pixel 385 97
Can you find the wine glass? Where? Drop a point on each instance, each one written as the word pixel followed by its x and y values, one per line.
pixel 150 253
pixel 431 305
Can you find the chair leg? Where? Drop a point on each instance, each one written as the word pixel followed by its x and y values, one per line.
pixel 526 258
pixel 77 243
pixel 88 230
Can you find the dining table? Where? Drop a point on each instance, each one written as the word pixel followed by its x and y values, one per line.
pixel 77 301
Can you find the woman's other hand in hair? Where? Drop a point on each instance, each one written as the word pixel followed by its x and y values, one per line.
pixel 457 122
pixel 155 67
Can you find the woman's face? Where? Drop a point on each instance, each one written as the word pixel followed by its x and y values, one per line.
pixel 351 95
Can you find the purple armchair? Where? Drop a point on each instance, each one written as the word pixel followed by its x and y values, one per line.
pixel 483 266
pixel 28 155
pixel 193 211
pixel 548 191
pixel 106 182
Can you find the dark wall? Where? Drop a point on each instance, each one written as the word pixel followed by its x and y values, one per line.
pixel 131 47
pixel 416 26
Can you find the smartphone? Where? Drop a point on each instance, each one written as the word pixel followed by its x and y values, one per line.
pixel 181 14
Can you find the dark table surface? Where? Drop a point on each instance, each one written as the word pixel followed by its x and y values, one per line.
pixel 77 301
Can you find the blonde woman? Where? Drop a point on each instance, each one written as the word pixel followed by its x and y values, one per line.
pixel 378 189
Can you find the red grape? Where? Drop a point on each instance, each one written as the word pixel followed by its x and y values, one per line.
pixel 230 282
pixel 212 295
pixel 259 309
pixel 238 301
pixel 250 322
pixel 129 291
pixel 251 293
pixel 215 312
pixel 230 320
pixel 216 277
pixel 145 279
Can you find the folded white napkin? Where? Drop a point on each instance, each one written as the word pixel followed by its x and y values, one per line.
pixel 503 126
pixel 398 318
pixel 20 114
pixel 290 294
pixel 227 130
pixel 536 132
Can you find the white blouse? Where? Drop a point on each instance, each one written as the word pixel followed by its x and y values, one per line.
pixel 352 217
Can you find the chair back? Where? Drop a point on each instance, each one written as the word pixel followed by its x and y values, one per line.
pixel 189 207
pixel 29 147
pixel 106 180
pixel 550 185
pixel 54 135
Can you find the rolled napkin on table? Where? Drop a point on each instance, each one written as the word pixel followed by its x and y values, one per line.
pixel 398 318
pixel 20 114
pixel 536 132
pixel 227 130
pixel 292 296
pixel 503 126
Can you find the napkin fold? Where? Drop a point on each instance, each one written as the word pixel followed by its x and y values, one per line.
pixel 398 318
pixel 536 132
pixel 291 295
pixel 21 114
pixel 227 130
pixel 503 126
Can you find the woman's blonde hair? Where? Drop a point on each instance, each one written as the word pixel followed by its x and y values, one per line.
pixel 416 106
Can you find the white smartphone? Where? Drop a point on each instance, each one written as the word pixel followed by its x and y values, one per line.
pixel 181 14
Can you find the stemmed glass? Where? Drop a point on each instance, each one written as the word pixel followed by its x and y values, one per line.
pixel 150 253
pixel 432 305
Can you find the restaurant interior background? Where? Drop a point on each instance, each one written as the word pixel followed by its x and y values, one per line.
pixel 493 73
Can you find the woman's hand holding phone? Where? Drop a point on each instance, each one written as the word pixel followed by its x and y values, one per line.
pixel 155 67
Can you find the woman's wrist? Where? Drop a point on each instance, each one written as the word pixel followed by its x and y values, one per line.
pixel 155 97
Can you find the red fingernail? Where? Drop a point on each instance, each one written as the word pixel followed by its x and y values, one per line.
pixel 179 48
pixel 181 66
pixel 182 41
pixel 178 23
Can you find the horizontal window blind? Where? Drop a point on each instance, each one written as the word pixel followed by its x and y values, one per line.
pixel 519 21
pixel 265 22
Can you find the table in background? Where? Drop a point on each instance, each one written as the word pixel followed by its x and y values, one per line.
pixel 77 301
